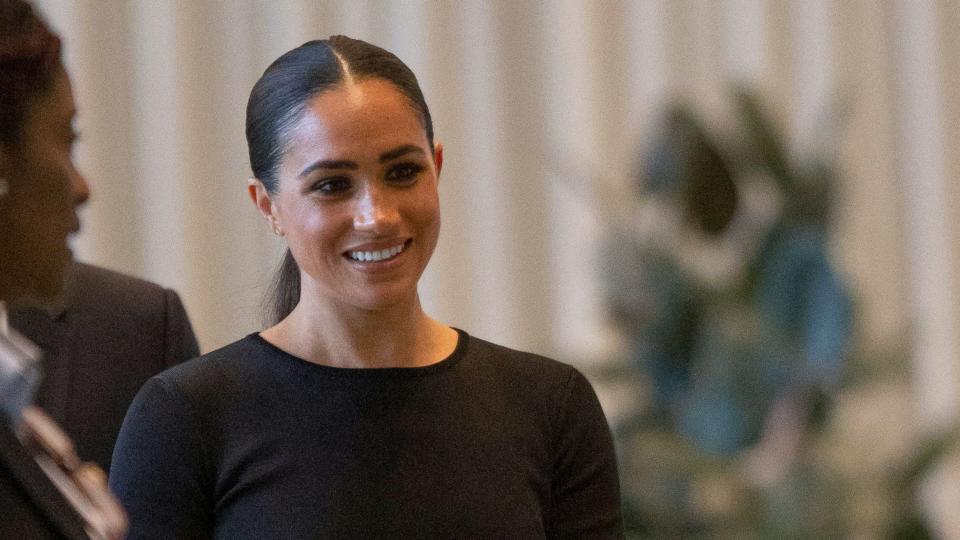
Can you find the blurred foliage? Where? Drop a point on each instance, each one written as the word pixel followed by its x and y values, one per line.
pixel 675 487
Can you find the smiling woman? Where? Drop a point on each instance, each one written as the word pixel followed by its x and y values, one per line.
pixel 358 182
pixel 357 415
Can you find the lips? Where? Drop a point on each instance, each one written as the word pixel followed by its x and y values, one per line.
pixel 378 254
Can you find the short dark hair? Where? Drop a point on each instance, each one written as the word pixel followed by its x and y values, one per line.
pixel 29 60
pixel 278 101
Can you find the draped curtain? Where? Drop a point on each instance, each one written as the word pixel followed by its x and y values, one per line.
pixel 544 109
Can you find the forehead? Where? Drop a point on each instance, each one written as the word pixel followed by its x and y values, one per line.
pixel 359 115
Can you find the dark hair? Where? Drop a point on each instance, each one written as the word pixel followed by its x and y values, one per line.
pixel 278 101
pixel 29 58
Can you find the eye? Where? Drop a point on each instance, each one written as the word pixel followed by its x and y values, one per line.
pixel 331 185
pixel 404 172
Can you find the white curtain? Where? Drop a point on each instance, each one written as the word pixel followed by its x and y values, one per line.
pixel 543 108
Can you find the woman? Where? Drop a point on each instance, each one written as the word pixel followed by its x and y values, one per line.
pixel 357 415
pixel 45 492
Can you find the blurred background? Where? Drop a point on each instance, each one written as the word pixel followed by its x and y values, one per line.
pixel 562 122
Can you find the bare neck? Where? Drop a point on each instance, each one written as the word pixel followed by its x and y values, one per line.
pixel 334 335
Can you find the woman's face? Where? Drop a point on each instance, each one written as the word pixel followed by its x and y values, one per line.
pixel 357 196
pixel 45 189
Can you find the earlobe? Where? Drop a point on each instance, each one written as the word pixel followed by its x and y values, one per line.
pixel 261 199
pixel 438 157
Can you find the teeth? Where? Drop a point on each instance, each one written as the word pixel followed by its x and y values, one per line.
pixel 374 256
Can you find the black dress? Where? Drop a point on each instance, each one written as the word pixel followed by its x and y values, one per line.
pixel 251 442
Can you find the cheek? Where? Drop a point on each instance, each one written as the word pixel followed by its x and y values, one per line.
pixel 310 230
pixel 432 216
pixel 425 217
pixel 49 183
pixel 427 210
pixel 46 202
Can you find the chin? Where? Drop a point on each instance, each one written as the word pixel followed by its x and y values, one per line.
pixel 48 283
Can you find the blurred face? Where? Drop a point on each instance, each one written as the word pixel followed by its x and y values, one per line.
pixel 39 211
pixel 357 197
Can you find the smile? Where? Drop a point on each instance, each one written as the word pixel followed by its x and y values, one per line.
pixel 377 255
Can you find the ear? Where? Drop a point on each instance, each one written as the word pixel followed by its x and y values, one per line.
pixel 261 199
pixel 438 157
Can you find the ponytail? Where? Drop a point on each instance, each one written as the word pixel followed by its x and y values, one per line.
pixel 284 292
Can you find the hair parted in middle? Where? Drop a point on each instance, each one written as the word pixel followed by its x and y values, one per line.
pixel 279 100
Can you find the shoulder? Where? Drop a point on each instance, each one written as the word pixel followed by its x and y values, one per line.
pixel 132 312
pixel 209 383
pixel 219 372
pixel 513 361
pixel 99 289
pixel 90 276
pixel 528 376
pixel 558 399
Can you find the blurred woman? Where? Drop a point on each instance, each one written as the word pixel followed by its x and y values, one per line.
pixel 357 415
pixel 45 491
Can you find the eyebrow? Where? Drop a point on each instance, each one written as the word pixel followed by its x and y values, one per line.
pixel 400 151
pixel 389 155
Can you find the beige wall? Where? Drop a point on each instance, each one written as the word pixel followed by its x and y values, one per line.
pixel 535 101
pixel 542 107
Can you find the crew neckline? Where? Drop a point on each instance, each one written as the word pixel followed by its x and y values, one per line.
pixel 446 363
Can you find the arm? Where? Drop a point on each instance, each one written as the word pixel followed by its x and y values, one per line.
pixel 181 344
pixel 585 491
pixel 157 471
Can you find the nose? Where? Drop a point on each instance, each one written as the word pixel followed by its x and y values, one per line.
pixel 376 210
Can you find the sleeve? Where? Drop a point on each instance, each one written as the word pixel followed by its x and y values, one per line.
pixel 157 470
pixel 181 343
pixel 585 491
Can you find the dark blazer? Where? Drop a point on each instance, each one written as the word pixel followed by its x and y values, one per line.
pixel 112 333
pixel 30 505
